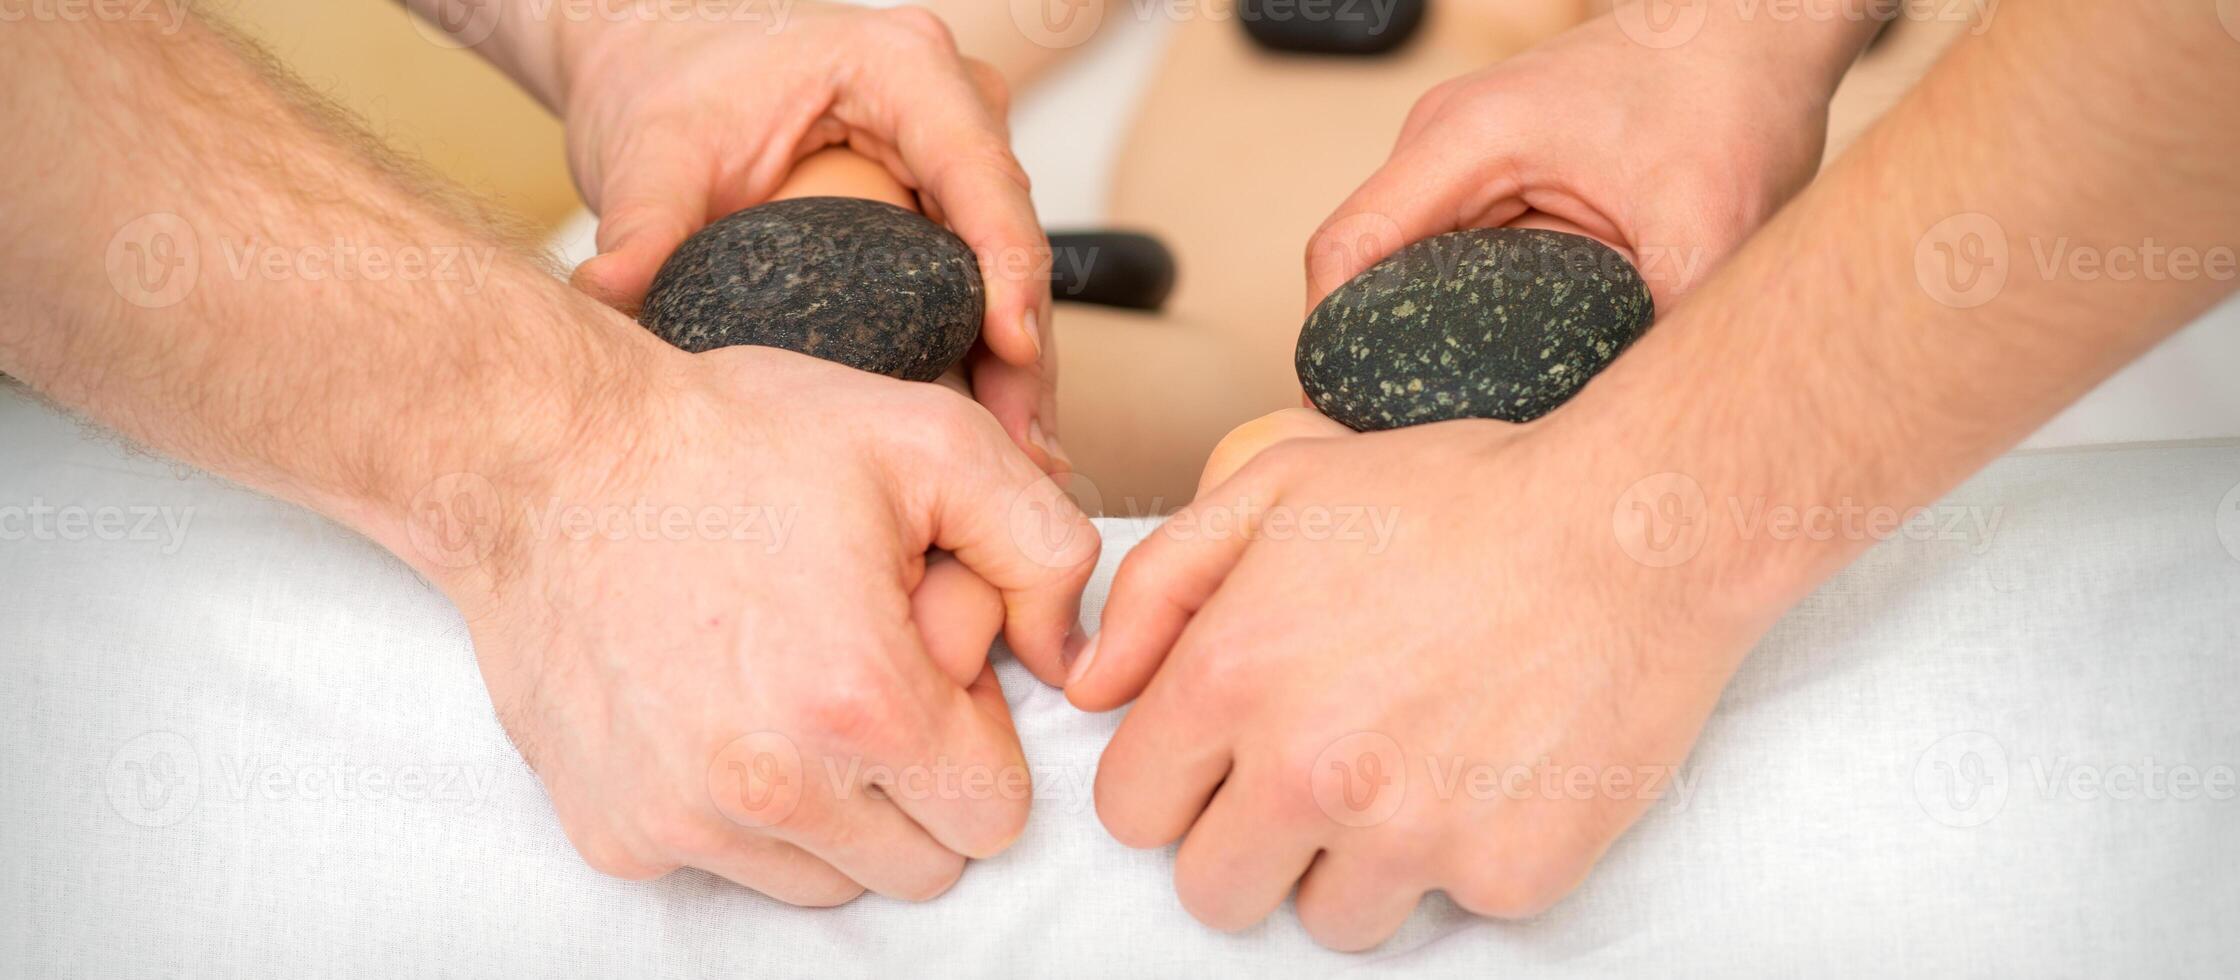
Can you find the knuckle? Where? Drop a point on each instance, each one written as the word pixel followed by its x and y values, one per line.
pixel 609 856
pixel 676 834
pixel 917 26
pixel 852 709
pixel 1517 889
pixel 993 86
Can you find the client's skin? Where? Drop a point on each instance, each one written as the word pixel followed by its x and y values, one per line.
pixel 1294 136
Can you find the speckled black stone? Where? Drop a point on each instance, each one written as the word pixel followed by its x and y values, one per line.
pixel 863 283
pixel 1494 323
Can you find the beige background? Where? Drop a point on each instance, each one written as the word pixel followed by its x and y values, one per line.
pixel 440 104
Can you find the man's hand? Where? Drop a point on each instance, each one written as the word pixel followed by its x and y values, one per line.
pixel 1346 707
pixel 699 628
pixel 1673 156
pixel 674 123
pixel 1501 695
pixel 700 587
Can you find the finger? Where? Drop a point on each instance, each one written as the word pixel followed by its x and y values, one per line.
pixel 1013 527
pixel 863 832
pixel 654 197
pixel 1243 853
pixel 958 616
pixel 1247 441
pixel 1162 766
pixel 1023 398
pixel 964 777
pixel 1352 900
pixel 959 148
pixel 1426 111
pixel 1430 187
pixel 779 870
pixel 1162 583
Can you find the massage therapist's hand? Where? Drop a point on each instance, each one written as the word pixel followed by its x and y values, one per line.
pixel 1500 694
pixel 1671 155
pixel 748 692
pixel 678 114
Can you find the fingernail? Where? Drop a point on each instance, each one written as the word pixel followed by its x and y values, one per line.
pixel 1032 324
pixel 1040 439
pixel 1081 662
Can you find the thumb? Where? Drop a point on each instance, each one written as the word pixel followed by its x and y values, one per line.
pixel 657 196
pixel 1428 188
pixel 1161 585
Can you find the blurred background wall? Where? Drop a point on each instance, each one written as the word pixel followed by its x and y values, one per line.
pixel 440 104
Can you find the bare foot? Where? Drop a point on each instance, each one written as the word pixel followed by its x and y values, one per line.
pixel 1252 438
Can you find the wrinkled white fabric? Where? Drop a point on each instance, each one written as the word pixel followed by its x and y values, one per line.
pixel 239 739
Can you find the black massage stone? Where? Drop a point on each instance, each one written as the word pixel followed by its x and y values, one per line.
pixel 862 283
pixel 1493 323
pixel 1332 27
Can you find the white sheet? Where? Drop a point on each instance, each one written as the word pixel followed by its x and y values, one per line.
pixel 248 742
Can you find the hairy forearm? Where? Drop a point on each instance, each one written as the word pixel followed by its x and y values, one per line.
pixel 199 256
pixel 1846 356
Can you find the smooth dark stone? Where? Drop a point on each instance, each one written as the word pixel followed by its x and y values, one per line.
pixel 1122 269
pixel 862 283
pixel 1493 323
pixel 1332 27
